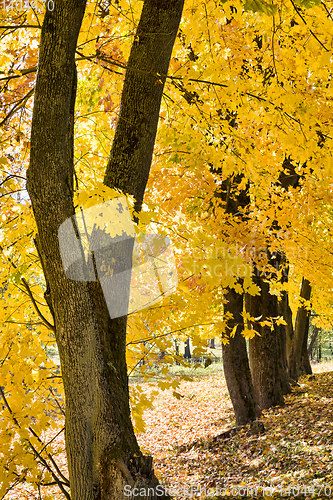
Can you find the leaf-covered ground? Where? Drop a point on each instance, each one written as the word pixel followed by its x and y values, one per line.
pixel 292 459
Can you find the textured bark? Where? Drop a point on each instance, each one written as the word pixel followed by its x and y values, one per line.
pixel 265 353
pixel 236 366
pixel 131 154
pixel 295 355
pixel 103 454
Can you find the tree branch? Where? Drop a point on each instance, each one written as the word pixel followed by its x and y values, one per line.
pixel 38 311
pixel 17 106
pixel 21 26
pixel 27 287
pixel 23 73
pixel 38 454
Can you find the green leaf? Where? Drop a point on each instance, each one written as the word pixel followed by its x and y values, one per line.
pixel 260 6
pixel 307 4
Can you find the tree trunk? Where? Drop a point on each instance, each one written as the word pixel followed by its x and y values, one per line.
pixel 235 359
pixel 286 336
pixel 294 358
pixel 319 349
pixel 236 365
pixel 187 353
pixel 313 341
pixel 177 350
pixel 103 454
pixel 286 381
pixel 265 353
pixel 286 313
pixel 305 360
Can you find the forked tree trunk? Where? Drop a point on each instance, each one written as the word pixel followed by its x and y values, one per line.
pixel 103 454
pixel 295 355
pixel 236 365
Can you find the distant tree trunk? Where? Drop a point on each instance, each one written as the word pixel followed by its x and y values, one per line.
pixel 177 350
pixel 295 354
pixel 285 311
pixel 313 341
pixel 286 336
pixel 212 343
pixel 236 365
pixel 319 348
pixel 305 361
pixel 102 450
pixel 187 353
pixel 286 332
pixel 269 376
pixel 286 381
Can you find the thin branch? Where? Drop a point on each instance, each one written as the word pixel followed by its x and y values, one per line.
pixel 38 311
pixel 11 192
pixel 327 11
pixel 18 240
pixel 209 40
pixel 170 333
pixel 21 26
pixel 35 14
pixel 30 323
pixel 104 59
pixel 64 478
pixel 23 73
pixel 199 80
pixel 273 50
pixel 140 360
pixel 27 287
pixel 38 454
pixel 123 66
pixel 4 359
pixel 11 176
pixel 297 9
pixel 10 488
pixel 57 402
pixel 17 106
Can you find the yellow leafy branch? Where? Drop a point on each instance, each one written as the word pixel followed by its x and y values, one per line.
pixel 28 289
pixel 18 105
pixel 60 482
